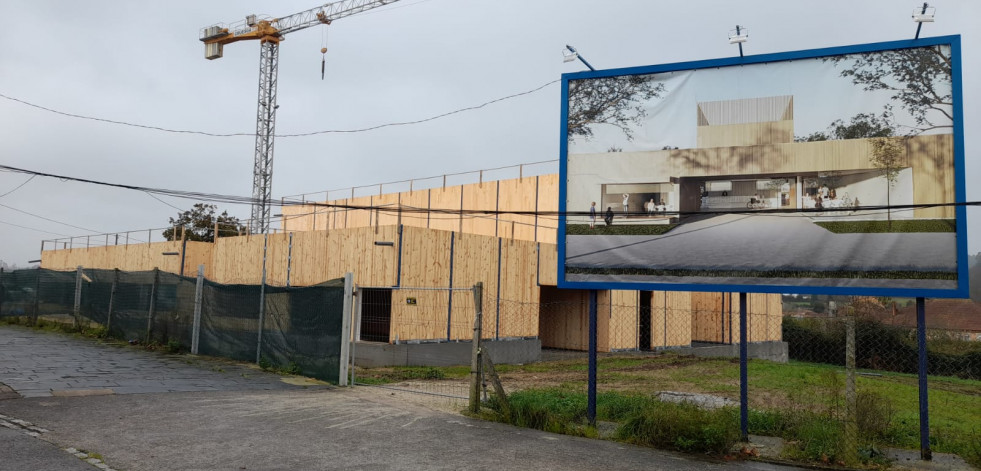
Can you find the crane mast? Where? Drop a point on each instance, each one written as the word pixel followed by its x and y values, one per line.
pixel 269 32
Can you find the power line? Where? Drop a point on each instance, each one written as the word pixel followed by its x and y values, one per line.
pixel 305 134
pixel 46 219
pixel 18 186
pixel 33 229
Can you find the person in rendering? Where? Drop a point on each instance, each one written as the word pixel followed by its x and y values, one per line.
pixel 609 216
pixel 592 215
pixel 626 200
pixel 651 207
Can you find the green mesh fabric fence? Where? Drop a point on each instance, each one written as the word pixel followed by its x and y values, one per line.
pixel 301 329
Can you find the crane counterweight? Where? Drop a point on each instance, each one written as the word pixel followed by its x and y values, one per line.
pixel 269 32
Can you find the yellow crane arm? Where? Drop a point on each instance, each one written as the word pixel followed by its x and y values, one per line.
pixel 273 29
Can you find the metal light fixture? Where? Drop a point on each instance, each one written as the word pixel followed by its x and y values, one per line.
pixel 922 15
pixel 570 54
pixel 739 36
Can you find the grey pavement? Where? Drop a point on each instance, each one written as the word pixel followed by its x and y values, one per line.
pixel 758 242
pixel 37 363
pixel 236 425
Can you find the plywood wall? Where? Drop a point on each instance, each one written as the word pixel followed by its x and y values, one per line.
pixel 425 263
pixel 623 320
pixel 133 257
pixel 440 208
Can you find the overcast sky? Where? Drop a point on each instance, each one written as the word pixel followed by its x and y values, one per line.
pixel 141 62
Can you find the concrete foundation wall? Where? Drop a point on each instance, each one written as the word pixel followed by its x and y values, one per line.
pixel 773 351
pixel 372 354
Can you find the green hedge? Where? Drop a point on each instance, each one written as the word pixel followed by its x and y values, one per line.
pixel 915 225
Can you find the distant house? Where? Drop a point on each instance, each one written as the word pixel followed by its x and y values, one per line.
pixel 960 317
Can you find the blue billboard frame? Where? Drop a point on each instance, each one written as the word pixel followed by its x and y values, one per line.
pixel 962 290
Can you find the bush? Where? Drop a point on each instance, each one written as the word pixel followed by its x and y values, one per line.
pixel 682 427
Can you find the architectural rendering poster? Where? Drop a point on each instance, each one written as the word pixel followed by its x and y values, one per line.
pixel 826 171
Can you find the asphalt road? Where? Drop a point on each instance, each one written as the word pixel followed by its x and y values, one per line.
pixel 240 418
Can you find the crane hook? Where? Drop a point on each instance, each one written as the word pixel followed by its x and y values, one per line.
pixel 323 62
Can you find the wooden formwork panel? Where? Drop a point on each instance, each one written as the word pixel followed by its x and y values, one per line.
pixel 479 197
pixel 519 267
pixel 445 204
pixel 518 195
pixel 295 218
pixel 548 202
pixel 387 213
pixel 707 316
pixel 425 263
pixel 623 320
pixel 355 251
pixel 310 256
pixel 198 253
pixel 424 318
pixel 670 319
pixel 564 318
pixel 277 259
pixel 416 206
pixel 604 310
pixel 475 258
pixel 358 217
pixel 238 260
pixel 548 264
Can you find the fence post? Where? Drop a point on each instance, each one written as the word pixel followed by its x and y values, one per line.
pixel 196 328
pixel 743 372
pixel 591 378
pixel 1 290
pixel 357 330
pixel 112 298
pixel 926 453
pixel 78 297
pixel 153 304
pixel 851 424
pixel 475 363
pixel 262 300
pixel 345 357
pixel 37 295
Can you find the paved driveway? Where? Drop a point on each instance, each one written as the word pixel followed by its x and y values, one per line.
pixel 37 363
pixel 224 420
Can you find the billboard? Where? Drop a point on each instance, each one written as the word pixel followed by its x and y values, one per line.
pixel 828 171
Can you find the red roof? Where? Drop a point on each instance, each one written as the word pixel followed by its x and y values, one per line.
pixel 948 314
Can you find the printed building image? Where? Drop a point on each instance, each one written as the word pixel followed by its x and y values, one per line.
pixel 746 150
pixel 747 160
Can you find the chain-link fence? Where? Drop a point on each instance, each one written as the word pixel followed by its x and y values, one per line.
pixel 301 328
pixel 415 340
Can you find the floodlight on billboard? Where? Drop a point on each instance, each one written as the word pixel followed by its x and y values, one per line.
pixel 832 171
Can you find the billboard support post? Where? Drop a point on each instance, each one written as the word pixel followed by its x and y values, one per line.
pixel 591 386
pixel 925 452
pixel 743 374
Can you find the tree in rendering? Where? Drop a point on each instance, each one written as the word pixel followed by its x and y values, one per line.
pixel 887 156
pixel 919 80
pixel 199 224
pixel 616 101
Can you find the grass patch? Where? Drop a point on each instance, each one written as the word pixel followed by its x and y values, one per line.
pixel 865 227
pixel 623 229
pixel 872 275
pixel 398 374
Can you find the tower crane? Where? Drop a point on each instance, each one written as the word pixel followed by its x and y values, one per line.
pixel 269 32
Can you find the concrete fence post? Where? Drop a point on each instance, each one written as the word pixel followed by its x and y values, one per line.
pixel 262 301
pixel 37 296
pixel 345 354
pixel 196 328
pixel 153 304
pixel 112 298
pixel 76 311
